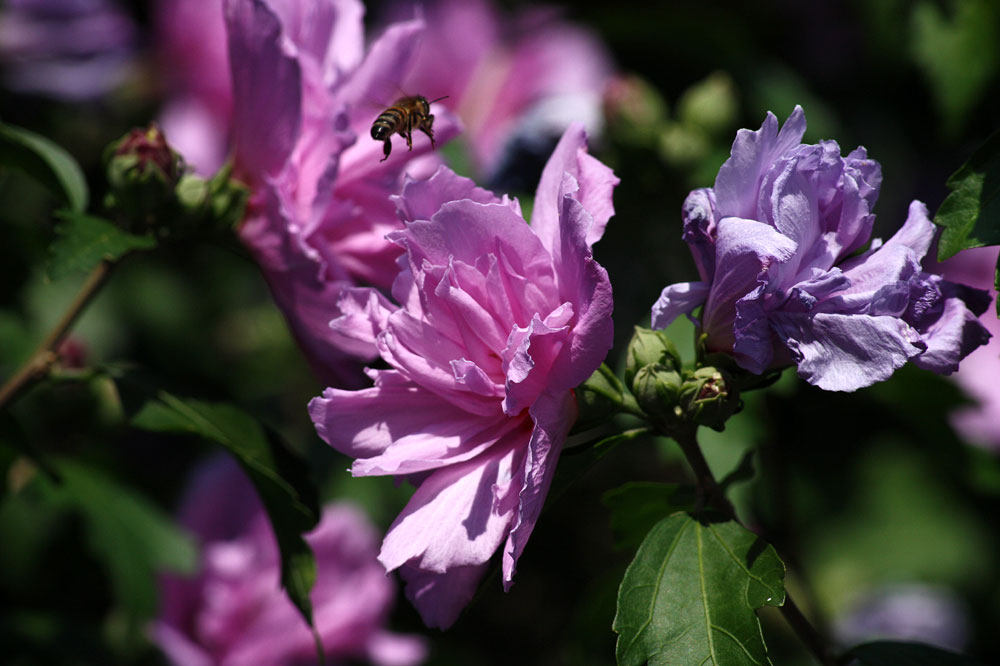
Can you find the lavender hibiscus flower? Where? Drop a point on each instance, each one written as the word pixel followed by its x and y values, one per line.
pixel 775 243
pixel 497 322
pixel 303 86
pixel 235 612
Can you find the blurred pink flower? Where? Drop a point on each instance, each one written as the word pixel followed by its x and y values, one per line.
pixel 320 208
pixel 497 322
pixel 235 613
pixel 191 50
pixel 979 371
pixel 516 83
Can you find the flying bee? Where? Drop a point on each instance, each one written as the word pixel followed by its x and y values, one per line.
pixel 405 115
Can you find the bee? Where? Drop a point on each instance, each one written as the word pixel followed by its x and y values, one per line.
pixel 405 115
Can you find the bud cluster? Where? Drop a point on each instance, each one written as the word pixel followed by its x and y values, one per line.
pixel 150 190
pixel 675 396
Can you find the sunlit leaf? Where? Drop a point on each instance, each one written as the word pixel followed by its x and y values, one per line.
pixel 690 595
pixel 46 162
pixel 83 241
pixel 970 215
pixel 280 477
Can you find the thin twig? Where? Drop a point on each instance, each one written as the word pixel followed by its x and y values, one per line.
pixel 47 353
pixel 687 439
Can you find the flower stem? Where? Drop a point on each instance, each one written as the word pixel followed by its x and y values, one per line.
pixel 713 493
pixel 47 353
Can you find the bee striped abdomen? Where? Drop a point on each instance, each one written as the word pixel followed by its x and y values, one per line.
pixel 387 123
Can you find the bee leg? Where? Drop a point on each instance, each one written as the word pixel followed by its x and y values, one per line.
pixel 427 127
pixel 386 148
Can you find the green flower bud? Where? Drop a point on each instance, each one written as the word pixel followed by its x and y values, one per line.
pixel 709 397
pixel 657 389
pixel 635 110
pixel 710 104
pixel 649 347
pixel 142 172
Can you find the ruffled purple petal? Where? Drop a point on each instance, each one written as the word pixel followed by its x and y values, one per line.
pixel 746 250
pixel 738 182
pixel 955 334
pixel 847 352
pixel 678 299
pixel 698 214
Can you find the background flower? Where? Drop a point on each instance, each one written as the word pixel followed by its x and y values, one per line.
pixel 320 209
pixel 497 322
pixel 68 49
pixel 978 374
pixel 774 242
pixel 235 611
pixel 517 82
pixel 192 54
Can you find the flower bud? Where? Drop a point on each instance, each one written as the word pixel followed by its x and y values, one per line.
pixel 657 390
pixel 143 172
pixel 710 104
pixel 709 397
pixel 634 109
pixel 649 347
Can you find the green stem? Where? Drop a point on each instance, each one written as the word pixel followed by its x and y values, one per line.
pixel 47 353
pixel 710 490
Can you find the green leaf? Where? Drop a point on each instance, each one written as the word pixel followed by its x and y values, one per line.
pixel 83 241
pixel 958 54
pixel 280 477
pixel 970 215
pixel 133 537
pixel 46 162
pixel 638 505
pixel 890 653
pixel 690 594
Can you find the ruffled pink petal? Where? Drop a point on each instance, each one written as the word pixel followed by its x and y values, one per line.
pixel 584 283
pixel 440 597
pixel 553 415
pixel 267 88
pixel 450 520
pixel 371 422
pixel 530 354
pixel 591 183
pixel 420 199
pixel 364 313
